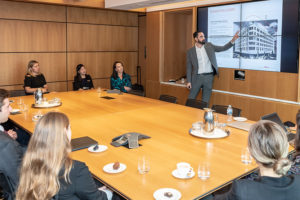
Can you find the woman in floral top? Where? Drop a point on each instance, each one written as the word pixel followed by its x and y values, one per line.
pixel 119 79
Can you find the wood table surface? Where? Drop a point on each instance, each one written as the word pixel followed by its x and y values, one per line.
pixel 167 124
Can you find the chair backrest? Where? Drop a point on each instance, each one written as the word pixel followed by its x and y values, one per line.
pixel 168 98
pixel 223 110
pixel 196 103
pixel 137 92
pixel 7 188
pixel 17 93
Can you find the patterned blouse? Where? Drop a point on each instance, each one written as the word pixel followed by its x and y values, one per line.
pixel 119 84
pixel 295 169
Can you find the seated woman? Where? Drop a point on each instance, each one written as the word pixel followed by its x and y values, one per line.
pixel 34 79
pixel 119 79
pixel 47 170
pixel 295 169
pixel 268 145
pixel 82 81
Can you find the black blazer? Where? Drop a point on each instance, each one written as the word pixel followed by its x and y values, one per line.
pixel 80 83
pixel 264 188
pixel 11 154
pixel 82 185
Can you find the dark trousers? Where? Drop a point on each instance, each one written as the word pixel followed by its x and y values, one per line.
pixel 204 81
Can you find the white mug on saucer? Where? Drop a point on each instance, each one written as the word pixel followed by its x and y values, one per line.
pixel 183 169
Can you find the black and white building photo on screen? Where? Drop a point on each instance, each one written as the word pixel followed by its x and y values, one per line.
pixel 257 40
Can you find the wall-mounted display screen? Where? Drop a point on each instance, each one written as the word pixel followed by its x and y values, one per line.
pixel 268 34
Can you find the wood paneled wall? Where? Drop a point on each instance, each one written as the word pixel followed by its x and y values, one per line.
pixel 142 48
pixel 177 40
pixel 252 108
pixel 86 3
pixel 259 83
pixel 276 85
pixel 60 38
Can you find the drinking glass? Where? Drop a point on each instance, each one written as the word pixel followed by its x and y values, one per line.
pixel 143 165
pixel 20 102
pixel 216 121
pixel 197 126
pixel 203 171
pixel 99 91
pixel 24 107
pixel 246 156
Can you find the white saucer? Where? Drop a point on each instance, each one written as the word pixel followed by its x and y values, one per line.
pixel 15 111
pixel 109 168
pixel 217 133
pixel 240 119
pixel 101 148
pixel 176 175
pixel 160 194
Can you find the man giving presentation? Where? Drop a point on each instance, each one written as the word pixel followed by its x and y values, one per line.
pixel 202 65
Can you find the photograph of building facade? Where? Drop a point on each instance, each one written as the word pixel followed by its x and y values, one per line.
pixel 258 40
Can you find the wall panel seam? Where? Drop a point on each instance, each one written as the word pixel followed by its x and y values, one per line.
pixel 31 20
pixel 102 24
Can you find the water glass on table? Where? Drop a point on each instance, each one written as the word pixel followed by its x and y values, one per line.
pixel 143 165
pixel 99 91
pixel 246 156
pixel 24 107
pixel 20 102
pixel 203 171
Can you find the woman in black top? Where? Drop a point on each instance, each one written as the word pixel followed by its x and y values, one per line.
pixel 34 79
pixel 268 145
pixel 82 81
pixel 47 169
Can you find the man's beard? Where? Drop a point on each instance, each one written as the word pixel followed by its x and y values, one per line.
pixel 202 42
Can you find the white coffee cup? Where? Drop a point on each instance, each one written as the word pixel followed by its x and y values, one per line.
pixel 183 169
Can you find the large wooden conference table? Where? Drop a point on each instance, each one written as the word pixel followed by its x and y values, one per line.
pixel 167 124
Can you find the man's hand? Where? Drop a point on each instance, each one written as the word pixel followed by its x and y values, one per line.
pixel 235 37
pixel 189 85
pixel 12 134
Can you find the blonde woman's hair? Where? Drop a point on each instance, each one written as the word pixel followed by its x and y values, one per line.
pixel 30 65
pixel 47 154
pixel 269 146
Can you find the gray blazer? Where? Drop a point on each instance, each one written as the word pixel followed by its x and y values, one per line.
pixel 192 61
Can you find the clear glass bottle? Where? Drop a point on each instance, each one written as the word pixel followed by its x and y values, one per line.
pixel 229 113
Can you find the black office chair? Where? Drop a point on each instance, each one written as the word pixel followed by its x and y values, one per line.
pixel 236 112
pixel 6 187
pixel 168 98
pixel 194 103
pixel 137 92
pixel 17 93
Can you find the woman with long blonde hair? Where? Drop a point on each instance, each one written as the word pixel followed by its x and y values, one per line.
pixel 268 145
pixel 47 170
